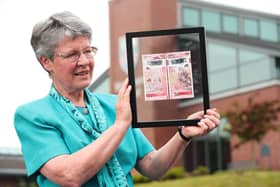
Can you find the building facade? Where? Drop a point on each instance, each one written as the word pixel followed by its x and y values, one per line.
pixel 243 59
pixel 12 169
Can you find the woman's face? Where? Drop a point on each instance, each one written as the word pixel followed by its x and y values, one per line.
pixel 70 75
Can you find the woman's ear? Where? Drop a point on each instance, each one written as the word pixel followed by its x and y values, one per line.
pixel 46 63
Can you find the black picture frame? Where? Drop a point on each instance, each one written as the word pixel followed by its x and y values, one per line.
pixel 184 39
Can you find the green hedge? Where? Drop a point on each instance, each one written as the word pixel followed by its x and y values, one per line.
pixel 173 173
pixel 138 178
pixel 200 170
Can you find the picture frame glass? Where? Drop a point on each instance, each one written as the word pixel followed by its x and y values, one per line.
pixel 168 73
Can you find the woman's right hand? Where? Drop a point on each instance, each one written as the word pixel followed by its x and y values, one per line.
pixel 123 110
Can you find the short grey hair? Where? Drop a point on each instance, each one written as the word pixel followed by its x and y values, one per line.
pixel 48 33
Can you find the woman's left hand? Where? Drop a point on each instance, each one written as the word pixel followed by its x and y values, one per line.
pixel 208 122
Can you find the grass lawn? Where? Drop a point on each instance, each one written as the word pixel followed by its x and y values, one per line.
pixel 224 179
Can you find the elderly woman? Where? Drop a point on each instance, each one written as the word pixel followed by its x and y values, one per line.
pixel 73 137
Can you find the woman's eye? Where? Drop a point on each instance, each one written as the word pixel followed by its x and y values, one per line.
pixel 87 51
pixel 72 55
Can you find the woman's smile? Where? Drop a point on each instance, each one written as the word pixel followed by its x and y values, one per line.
pixel 82 73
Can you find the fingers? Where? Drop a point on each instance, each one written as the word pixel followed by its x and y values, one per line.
pixel 123 88
pixel 210 121
pixel 204 127
pixel 200 114
pixel 123 111
pixel 197 115
pixel 207 124
pixel 124 93
pixel 214 112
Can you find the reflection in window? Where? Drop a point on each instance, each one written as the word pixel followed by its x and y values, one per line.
pixel 222 67
pixel 268 31
pixel 247 56
pixel 217 21
pixel 251 27
pixel 211 20
pixel 223 80
pixel 279 32
pixel 221 57
pixel 191 17
pixel 230 24
pixel 231 68
pixel 254 67
pixel 255 72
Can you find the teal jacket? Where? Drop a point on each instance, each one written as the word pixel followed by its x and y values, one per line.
pixel 46 130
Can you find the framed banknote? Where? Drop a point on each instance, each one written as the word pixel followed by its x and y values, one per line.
pixel 168 74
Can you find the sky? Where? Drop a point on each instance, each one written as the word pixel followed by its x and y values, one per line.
pixel 22 79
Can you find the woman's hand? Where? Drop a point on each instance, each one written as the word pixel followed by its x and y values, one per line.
pixel 123 110
pixel 208 122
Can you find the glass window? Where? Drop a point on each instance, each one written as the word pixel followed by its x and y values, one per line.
pixel 230 67
pixel 247 56
pixel 223 80
pixel 278 32
pixel 221 57
pixel 255 72
pixel 254 67
pixel 222 67
pixel 268 31
pixel 251 27
pixel 276 68
pixel 191 17
pixel 230 24
pixel 211 20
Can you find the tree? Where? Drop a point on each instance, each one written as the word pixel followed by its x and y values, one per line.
pixel 254 121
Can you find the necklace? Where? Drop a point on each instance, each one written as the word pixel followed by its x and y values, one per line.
pixel 85 111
